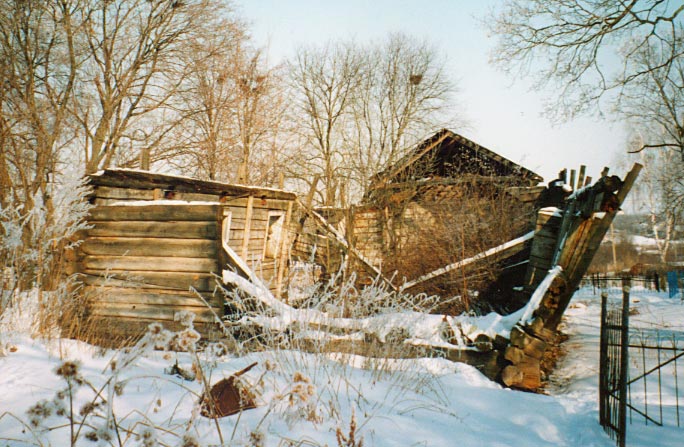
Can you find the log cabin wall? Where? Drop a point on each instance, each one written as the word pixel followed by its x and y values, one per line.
pixel 155 237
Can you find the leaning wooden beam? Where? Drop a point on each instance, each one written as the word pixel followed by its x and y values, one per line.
pixel 320 220
pixel 243 267
pixel 507 249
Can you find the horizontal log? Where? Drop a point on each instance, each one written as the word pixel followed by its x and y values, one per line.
pixel 111 192
pixel 122 295
pixel 151 263
pixel 149 180
pixel 532 346
pixel 157 212
pixel 160 313
pixel 166 280
pixel 259 204
pixel 136 228
pixel 113 246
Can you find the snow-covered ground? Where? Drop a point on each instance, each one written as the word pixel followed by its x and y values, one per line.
pixel 311 400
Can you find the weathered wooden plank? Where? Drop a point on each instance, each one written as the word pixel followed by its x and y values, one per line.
pixel 148 180
pixel 151 263
pixel 239 235
pixel 152 296
pixel 248 226
pixel 136 228
pixel 143 311
pixel 156 211
pixel 258 203
pixel 112 192
pixel 115 246
pixel 204 282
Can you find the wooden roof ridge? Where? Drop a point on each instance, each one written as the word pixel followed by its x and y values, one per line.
pixel 132 178
pixel 426 146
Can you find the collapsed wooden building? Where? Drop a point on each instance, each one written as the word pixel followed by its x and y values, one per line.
pixel 158 244
pixel 447 200
pixel 449 218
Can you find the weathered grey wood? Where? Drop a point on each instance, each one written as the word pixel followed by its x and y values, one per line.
pixel 143 311
pixel 248 225
pixel 203 282
pixel 107 192
pixel 239 235
pixel 580 180
pixel 258 203
pixel 572 179
pixel 157 212
pixel 136 228
pixel 151 263
pixel 283 251
pixel 152 297
pixel 148 180
pixel 113 246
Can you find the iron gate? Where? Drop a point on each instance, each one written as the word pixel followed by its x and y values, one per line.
pixel 614 365
pixel 635 365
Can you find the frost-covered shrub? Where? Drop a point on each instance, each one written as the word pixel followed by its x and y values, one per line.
pixel 34 244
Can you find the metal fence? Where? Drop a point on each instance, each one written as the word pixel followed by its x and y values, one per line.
pixel 640 362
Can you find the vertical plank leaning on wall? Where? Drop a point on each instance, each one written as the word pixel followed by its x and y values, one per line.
pixel 284 248
pixel 248 224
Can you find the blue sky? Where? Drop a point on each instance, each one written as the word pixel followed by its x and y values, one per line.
pixel 502 114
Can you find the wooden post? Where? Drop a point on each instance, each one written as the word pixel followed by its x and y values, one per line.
pixel 572 180
pixel 282 261
pixel 580 179
pixel 248 224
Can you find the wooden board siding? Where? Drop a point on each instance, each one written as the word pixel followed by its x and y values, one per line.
pixel 368 234
pixel 139 262
pixel 154 237
pixel 543 245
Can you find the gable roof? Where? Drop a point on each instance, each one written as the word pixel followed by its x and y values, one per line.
pixel 453 155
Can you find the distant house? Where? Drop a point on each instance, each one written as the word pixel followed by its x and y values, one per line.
pixel 158 241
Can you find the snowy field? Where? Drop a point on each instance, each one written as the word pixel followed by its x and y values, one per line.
pixel 311 400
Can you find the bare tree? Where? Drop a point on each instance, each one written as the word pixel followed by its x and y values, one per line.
pixel 259 118
pixel 132 70
pixel 578 42
pixel 203 142
pixel 230 106
pixel 654 104
pixel 405 96
pixel 40 60
pixel 662 189
pixel 360 108
pixel 324 82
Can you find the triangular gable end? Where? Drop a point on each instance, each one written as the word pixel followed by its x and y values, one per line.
pixel 449 155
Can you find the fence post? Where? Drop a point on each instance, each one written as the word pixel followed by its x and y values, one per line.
pixel 603 363
pixel 624 361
